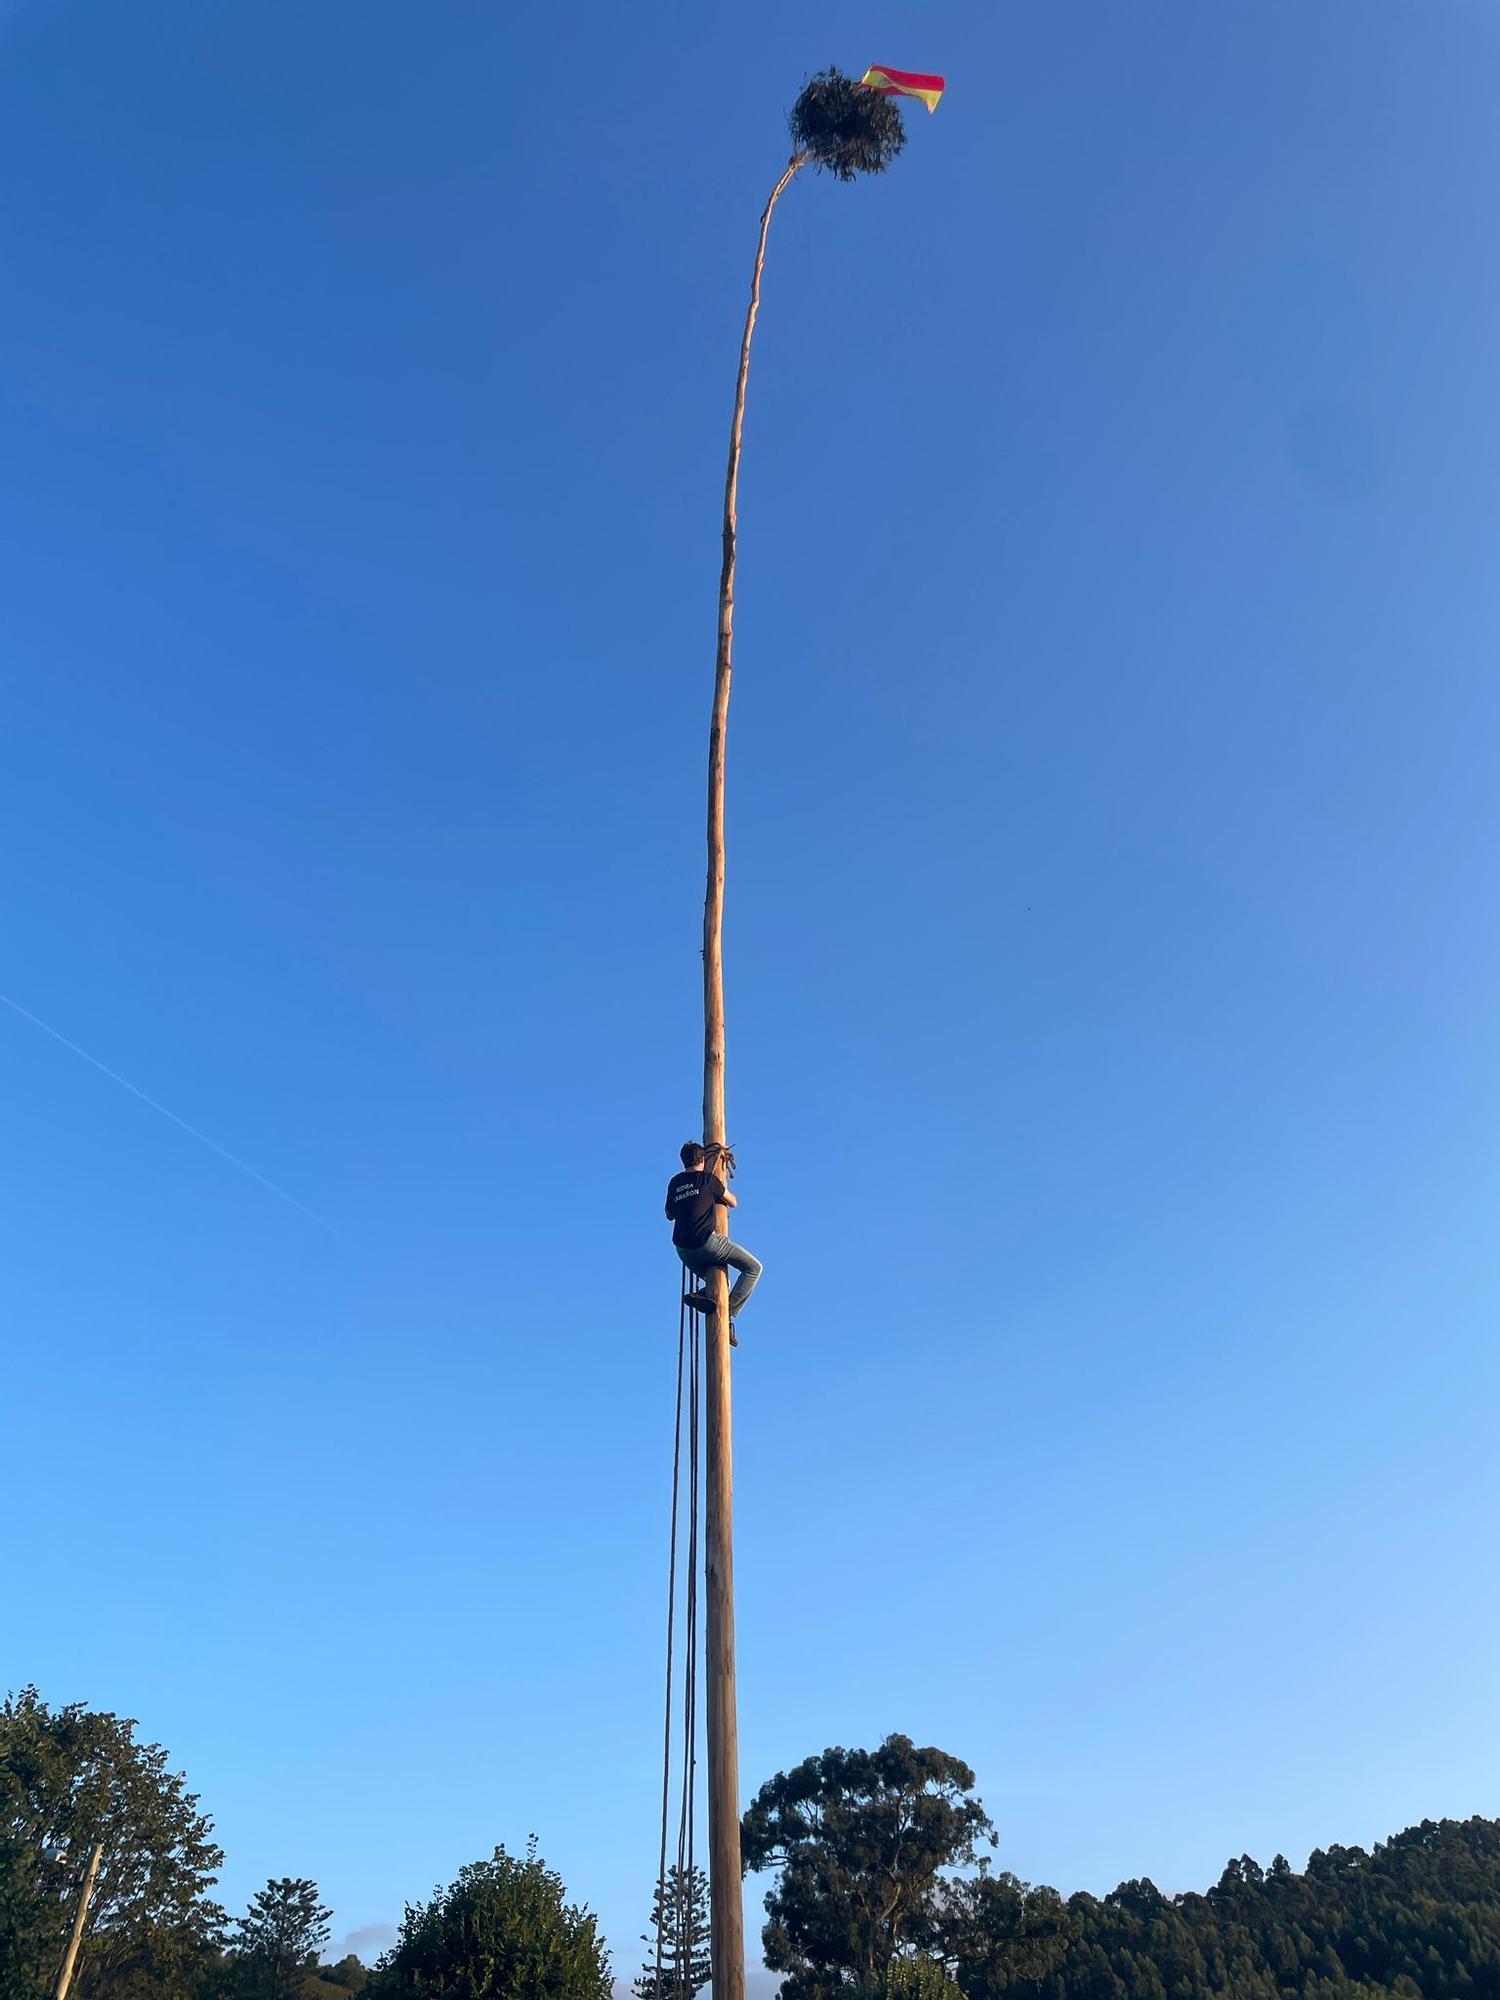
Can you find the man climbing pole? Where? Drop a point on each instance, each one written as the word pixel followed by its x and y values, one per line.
pixel 692 1197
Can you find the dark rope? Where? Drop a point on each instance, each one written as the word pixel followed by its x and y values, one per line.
pixel 689 1353
pixel 666 1750
pixel 687 1899
pixel 688 1821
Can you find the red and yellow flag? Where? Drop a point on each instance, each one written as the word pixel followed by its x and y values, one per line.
pixel 904 83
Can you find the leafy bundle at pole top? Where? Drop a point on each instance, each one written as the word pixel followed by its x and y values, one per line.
pixel 844 128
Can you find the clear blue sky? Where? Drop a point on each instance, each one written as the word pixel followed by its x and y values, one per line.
pixel 1112 950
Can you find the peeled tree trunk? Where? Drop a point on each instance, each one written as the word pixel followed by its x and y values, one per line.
pixel 713 907
pixel 726 1893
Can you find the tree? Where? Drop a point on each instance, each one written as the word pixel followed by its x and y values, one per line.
pixel 996 1931
pixel 680 1933
pixel 503 1931
pixel 279 1938
pixel 31 1930
pixel 860 1838
pixel 350 1975
pixel 70 1777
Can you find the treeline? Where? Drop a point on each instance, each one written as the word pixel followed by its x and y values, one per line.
pixel 883 1888
pixel 1419 1916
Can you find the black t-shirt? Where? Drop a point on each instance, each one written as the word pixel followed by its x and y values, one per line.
pixel 690 1203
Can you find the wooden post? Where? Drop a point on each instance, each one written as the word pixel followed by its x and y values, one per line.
pixel 80 1918
pixel 726 1893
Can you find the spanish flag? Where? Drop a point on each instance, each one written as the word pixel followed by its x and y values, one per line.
pixel 904 83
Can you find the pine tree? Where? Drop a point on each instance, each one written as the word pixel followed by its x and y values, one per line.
pixel 680 1922
pixel 280 1937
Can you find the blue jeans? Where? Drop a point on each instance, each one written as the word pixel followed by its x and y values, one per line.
pixel 713 1254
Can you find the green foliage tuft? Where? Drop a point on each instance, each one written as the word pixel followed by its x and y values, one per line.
pixel 910 1978
pixel 845 129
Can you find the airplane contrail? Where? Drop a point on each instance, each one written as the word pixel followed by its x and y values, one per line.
pixel 191 1130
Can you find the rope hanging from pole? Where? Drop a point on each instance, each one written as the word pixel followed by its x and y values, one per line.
pixel 686 1416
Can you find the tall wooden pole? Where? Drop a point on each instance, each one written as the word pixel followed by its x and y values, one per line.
pixel 80 1918
pixel 725 1876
